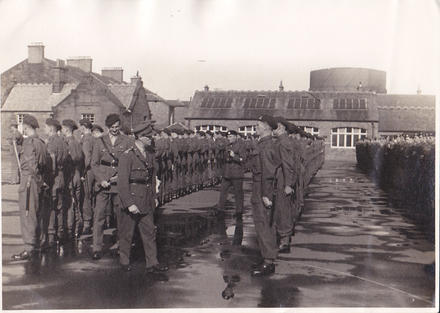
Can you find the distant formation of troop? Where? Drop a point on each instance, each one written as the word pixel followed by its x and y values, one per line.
pixel 72 186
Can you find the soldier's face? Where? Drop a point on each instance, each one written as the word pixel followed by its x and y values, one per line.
pixel 115 128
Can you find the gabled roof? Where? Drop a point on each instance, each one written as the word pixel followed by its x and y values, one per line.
pixel 35 97
pixel 124 92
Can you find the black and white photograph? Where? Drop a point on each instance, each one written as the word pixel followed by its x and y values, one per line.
pixel 219 154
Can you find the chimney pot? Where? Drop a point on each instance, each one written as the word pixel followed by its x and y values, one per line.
pixel 136 79
pixel 206 88
pixel 35 52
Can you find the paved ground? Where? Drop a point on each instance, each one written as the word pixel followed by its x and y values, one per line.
pixel 351 250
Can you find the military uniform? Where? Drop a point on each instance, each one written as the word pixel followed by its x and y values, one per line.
pixel 105 158
pixel 87 142
pixel 233 176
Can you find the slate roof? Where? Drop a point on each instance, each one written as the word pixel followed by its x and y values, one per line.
pixel 124 92
pixel 35 97
pixel 405 101
pixel 406 120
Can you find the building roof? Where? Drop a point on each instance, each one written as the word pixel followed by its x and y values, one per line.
pixel 124 92
pixel 405 101
pixel 231 105
pixel 406 120
pixel 35 97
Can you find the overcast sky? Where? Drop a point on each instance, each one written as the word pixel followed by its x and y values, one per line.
pixel 178 46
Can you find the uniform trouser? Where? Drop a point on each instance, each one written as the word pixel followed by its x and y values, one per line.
pixel 73 205
pixel 147 231
pixel 237 185
pixel 104 200
pixel 56 218
pixel 31 223
pixel 87 201
pixel 266 234
pixel 285 214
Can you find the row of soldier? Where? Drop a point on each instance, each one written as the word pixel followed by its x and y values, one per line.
pixel 73 185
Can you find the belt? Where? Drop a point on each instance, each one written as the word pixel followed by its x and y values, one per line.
pixel 140 181
pixel 112 163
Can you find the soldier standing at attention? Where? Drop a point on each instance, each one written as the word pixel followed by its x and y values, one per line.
pixel 234 174
pixel 286 177
pixel 265 159
pixel 72 177
pixel 33 162
pixel 137 191
pixel 105 159
pixel 58 151
pixel 87 177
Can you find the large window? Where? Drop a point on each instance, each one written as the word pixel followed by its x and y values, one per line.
pixel 259 102
pixel 346 137
pixel 304 103
pixel 349 104
pixel 212 128
pixel 310 130
pixel 219 102
pixel 88 116
pixel 247 130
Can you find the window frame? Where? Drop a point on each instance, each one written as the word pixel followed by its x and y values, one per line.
pixel 353 134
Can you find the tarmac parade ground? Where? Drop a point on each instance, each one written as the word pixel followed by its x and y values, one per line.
pixel 351 249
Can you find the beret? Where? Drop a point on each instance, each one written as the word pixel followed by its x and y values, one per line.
pixel 143 129
pixel 97 127
pixel 86 123
pixel 69 123
pixel 30 120
pixel 269 120
pixel 232 132
pixel 53 122
pixel 111 119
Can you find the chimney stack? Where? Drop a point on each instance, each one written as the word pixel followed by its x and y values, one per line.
pixel 58 76
pixel 206 88
pixel 113 72
pixel 83 63
pixel 35 52
pixel 136 79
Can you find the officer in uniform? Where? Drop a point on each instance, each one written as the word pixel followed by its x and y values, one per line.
pixel 265 159
pixel 87 142
pixel 137 191
pixel 58 151
pixel 286 177
pixel 34 161
pixel 72 176
pixel 234 173
pixel 105 159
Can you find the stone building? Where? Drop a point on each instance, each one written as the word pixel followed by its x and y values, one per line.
pixel 70 89
pixel 342 104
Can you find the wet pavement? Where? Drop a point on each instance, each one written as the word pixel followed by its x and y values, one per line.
pixel 351 249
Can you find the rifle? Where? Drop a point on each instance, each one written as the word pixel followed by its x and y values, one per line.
pixel 16 155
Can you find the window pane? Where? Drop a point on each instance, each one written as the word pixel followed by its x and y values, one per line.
pixel 272 103
pixel 363 136
pixel 303 103
pixel 362 104
pixel 297 103
pixel 246 103
pixel 260 102
pixel 229 103
pixel 210 102
pixel 266 102
pixel 310 103
pixel 334 130
pixel 349 104
pixel 349 130
pixel 355 139
pixel 363 130
pixel 253 103
pixel 315 129
pixel 290 104
pixel 317 104
pixel 342 104
pixel 335 104
pixel 204 103
pixel 355 103
pixel 341 140
pixel 348 140
pixel 223 103
pixel 334 140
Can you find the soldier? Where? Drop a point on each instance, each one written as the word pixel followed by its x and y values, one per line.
pixel 234 174
pixel 265 159
pixel 137 191
pixel 58 151
pixel 97 131
pixel 286 176
pixel 34 161
pixel 105 158
pixel 87 178
pixel 72 177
